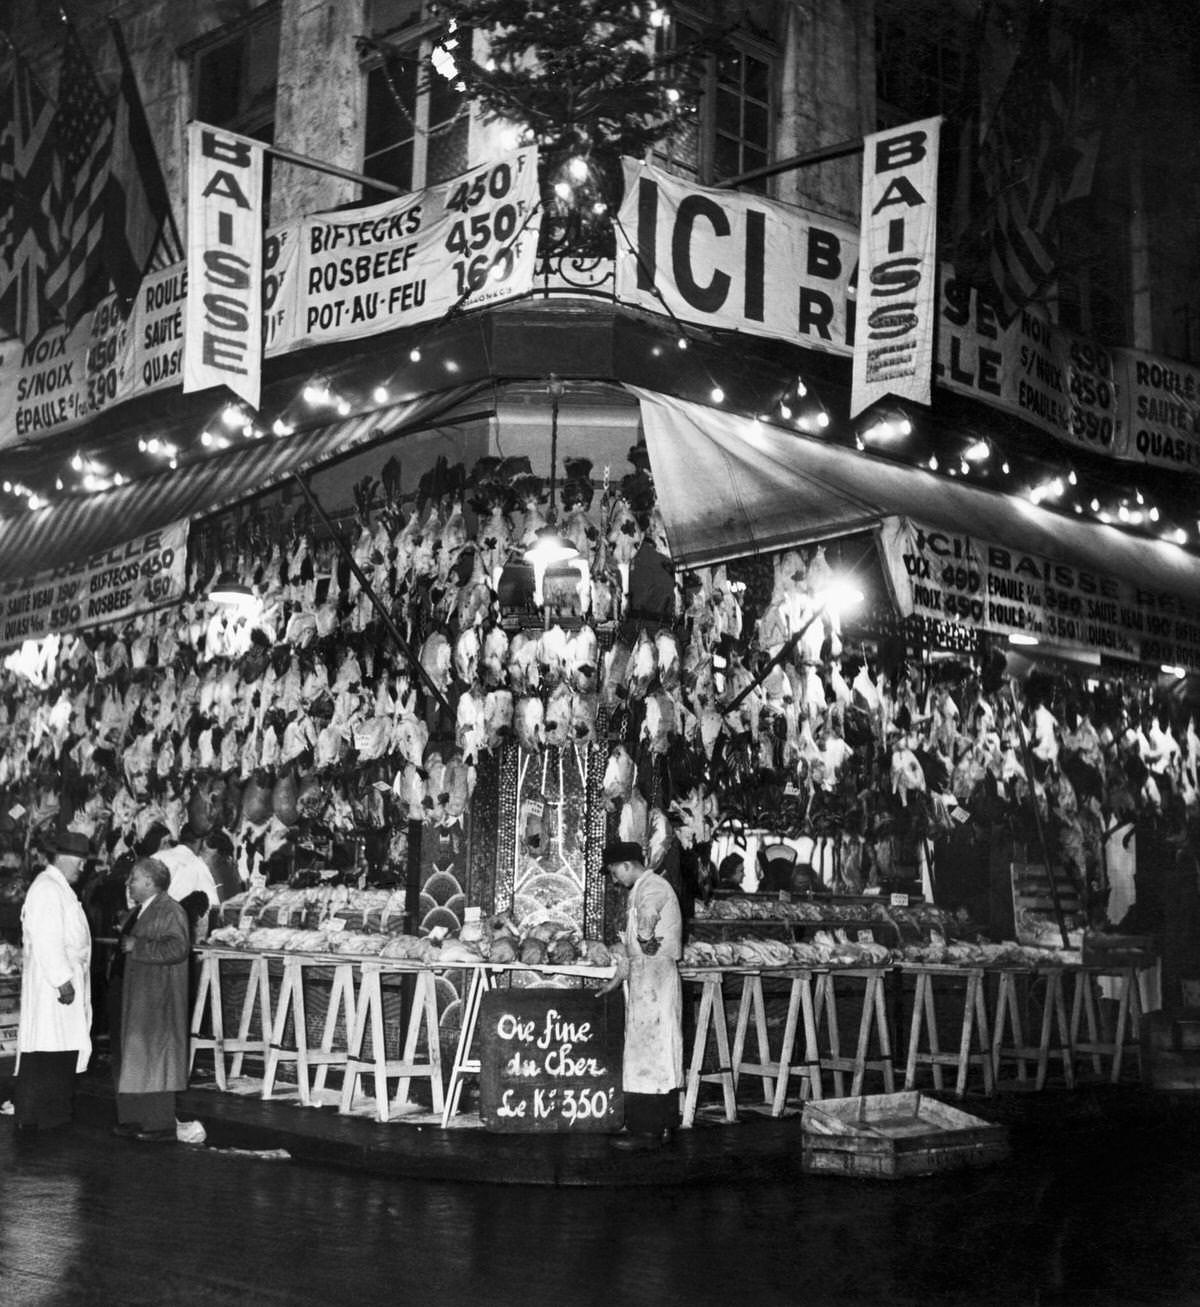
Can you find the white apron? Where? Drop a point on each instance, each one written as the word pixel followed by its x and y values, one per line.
pixel 57 947
pixel 653 1062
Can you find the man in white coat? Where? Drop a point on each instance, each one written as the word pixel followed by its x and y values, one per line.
pixel 652 1067
pixel 54 1040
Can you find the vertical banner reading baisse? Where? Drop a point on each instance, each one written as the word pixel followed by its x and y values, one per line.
pixel 893 348
pixel 223 338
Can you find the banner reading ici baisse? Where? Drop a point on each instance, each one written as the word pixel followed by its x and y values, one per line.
pixel 410 260
pixel 944 576
pixel 731 260
pixel 143 573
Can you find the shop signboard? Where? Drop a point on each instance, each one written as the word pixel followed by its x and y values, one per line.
pixel 550 1060
pixel 223 311
pixel 463 243
pixel 734 261
pixel 1064 385
pixel 893 346
pixel 950 577
pixel 108 587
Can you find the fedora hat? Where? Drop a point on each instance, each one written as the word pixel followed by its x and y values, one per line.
pixel 74 843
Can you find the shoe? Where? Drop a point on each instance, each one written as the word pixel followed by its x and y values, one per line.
pixel 156 1136
pixel 637 1143
pixel 127 1130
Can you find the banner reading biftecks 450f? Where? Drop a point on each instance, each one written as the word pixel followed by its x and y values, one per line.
pixel 223 336
pixel 897 266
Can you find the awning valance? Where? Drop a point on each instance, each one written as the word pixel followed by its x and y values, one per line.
pixel 728 486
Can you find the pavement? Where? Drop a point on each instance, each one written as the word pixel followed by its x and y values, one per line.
pixel 758 1147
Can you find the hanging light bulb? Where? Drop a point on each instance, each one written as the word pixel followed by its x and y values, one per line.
pixel 978 451
pixel 717 395
pixel 380 394
pixel 414 354
pixel 549 547
pixel 232 592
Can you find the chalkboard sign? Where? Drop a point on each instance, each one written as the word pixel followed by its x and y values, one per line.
pixel 550 1060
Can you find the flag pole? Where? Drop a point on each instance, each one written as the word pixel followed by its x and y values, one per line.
pixel 318 165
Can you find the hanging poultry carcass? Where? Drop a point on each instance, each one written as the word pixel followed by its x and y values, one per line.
pixel 524 672
pixel 473 605
pixel 551 657
pixel 470 725
pixel 493 658
pixel 459 781
pixel 437 659
pixel 529 723
pixel 498 717
pixel 557 715
pixel 466 655
pixel 619 775
pixel 633 821
pixel 584 709
pixel 581 659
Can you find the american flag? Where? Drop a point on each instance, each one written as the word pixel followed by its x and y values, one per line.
pixel 26 149
pixel 1039 152
pixel 83 128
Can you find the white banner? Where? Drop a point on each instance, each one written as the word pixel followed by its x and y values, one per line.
pixel 465 242
pixel 223 323
pixel 949 577
pixel 144 573
pixel 893 349
pixel 731 260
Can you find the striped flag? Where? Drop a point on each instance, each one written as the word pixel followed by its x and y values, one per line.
pixel 26 149
pixel 139 226
pixel 1039 152
pixel 83 129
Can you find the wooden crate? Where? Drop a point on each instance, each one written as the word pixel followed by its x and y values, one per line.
pixel 891 1136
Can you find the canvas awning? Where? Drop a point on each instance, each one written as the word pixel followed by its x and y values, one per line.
pixel 74 528
pixel 729 486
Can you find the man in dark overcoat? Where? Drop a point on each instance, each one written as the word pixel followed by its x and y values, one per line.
pixel 154 1008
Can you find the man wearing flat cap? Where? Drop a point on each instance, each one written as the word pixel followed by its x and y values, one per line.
pixel 54 1040
pixel 652 1067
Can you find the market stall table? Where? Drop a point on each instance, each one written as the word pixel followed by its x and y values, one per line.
pixel 710 1016
pixel 1008 1035
pixel 776 1073
pixel 872 1028
pixel 210 1001
pixel 952 984
pixel 1131 1004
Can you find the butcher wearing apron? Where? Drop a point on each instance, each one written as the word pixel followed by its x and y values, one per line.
pixel 652 1068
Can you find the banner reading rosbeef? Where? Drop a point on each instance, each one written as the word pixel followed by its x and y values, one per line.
pixel 731 260
pixel 893 347
pixel 471 240
pixel 144 573
pixel 223 336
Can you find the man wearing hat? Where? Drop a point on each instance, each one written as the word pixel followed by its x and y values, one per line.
pixel 54 1040
pixel 652 1067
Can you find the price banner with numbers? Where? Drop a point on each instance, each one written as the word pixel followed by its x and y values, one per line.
pixel 550 1060
pixel 141 574
pixel 410 260
pixel 948 577
pixel 1046 376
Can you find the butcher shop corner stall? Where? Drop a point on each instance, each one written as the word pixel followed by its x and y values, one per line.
pixel 401 666
pixel 783 671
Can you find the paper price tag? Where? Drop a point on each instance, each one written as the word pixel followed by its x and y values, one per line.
pixel 534 807
pixel 866 937
pixel 898 900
